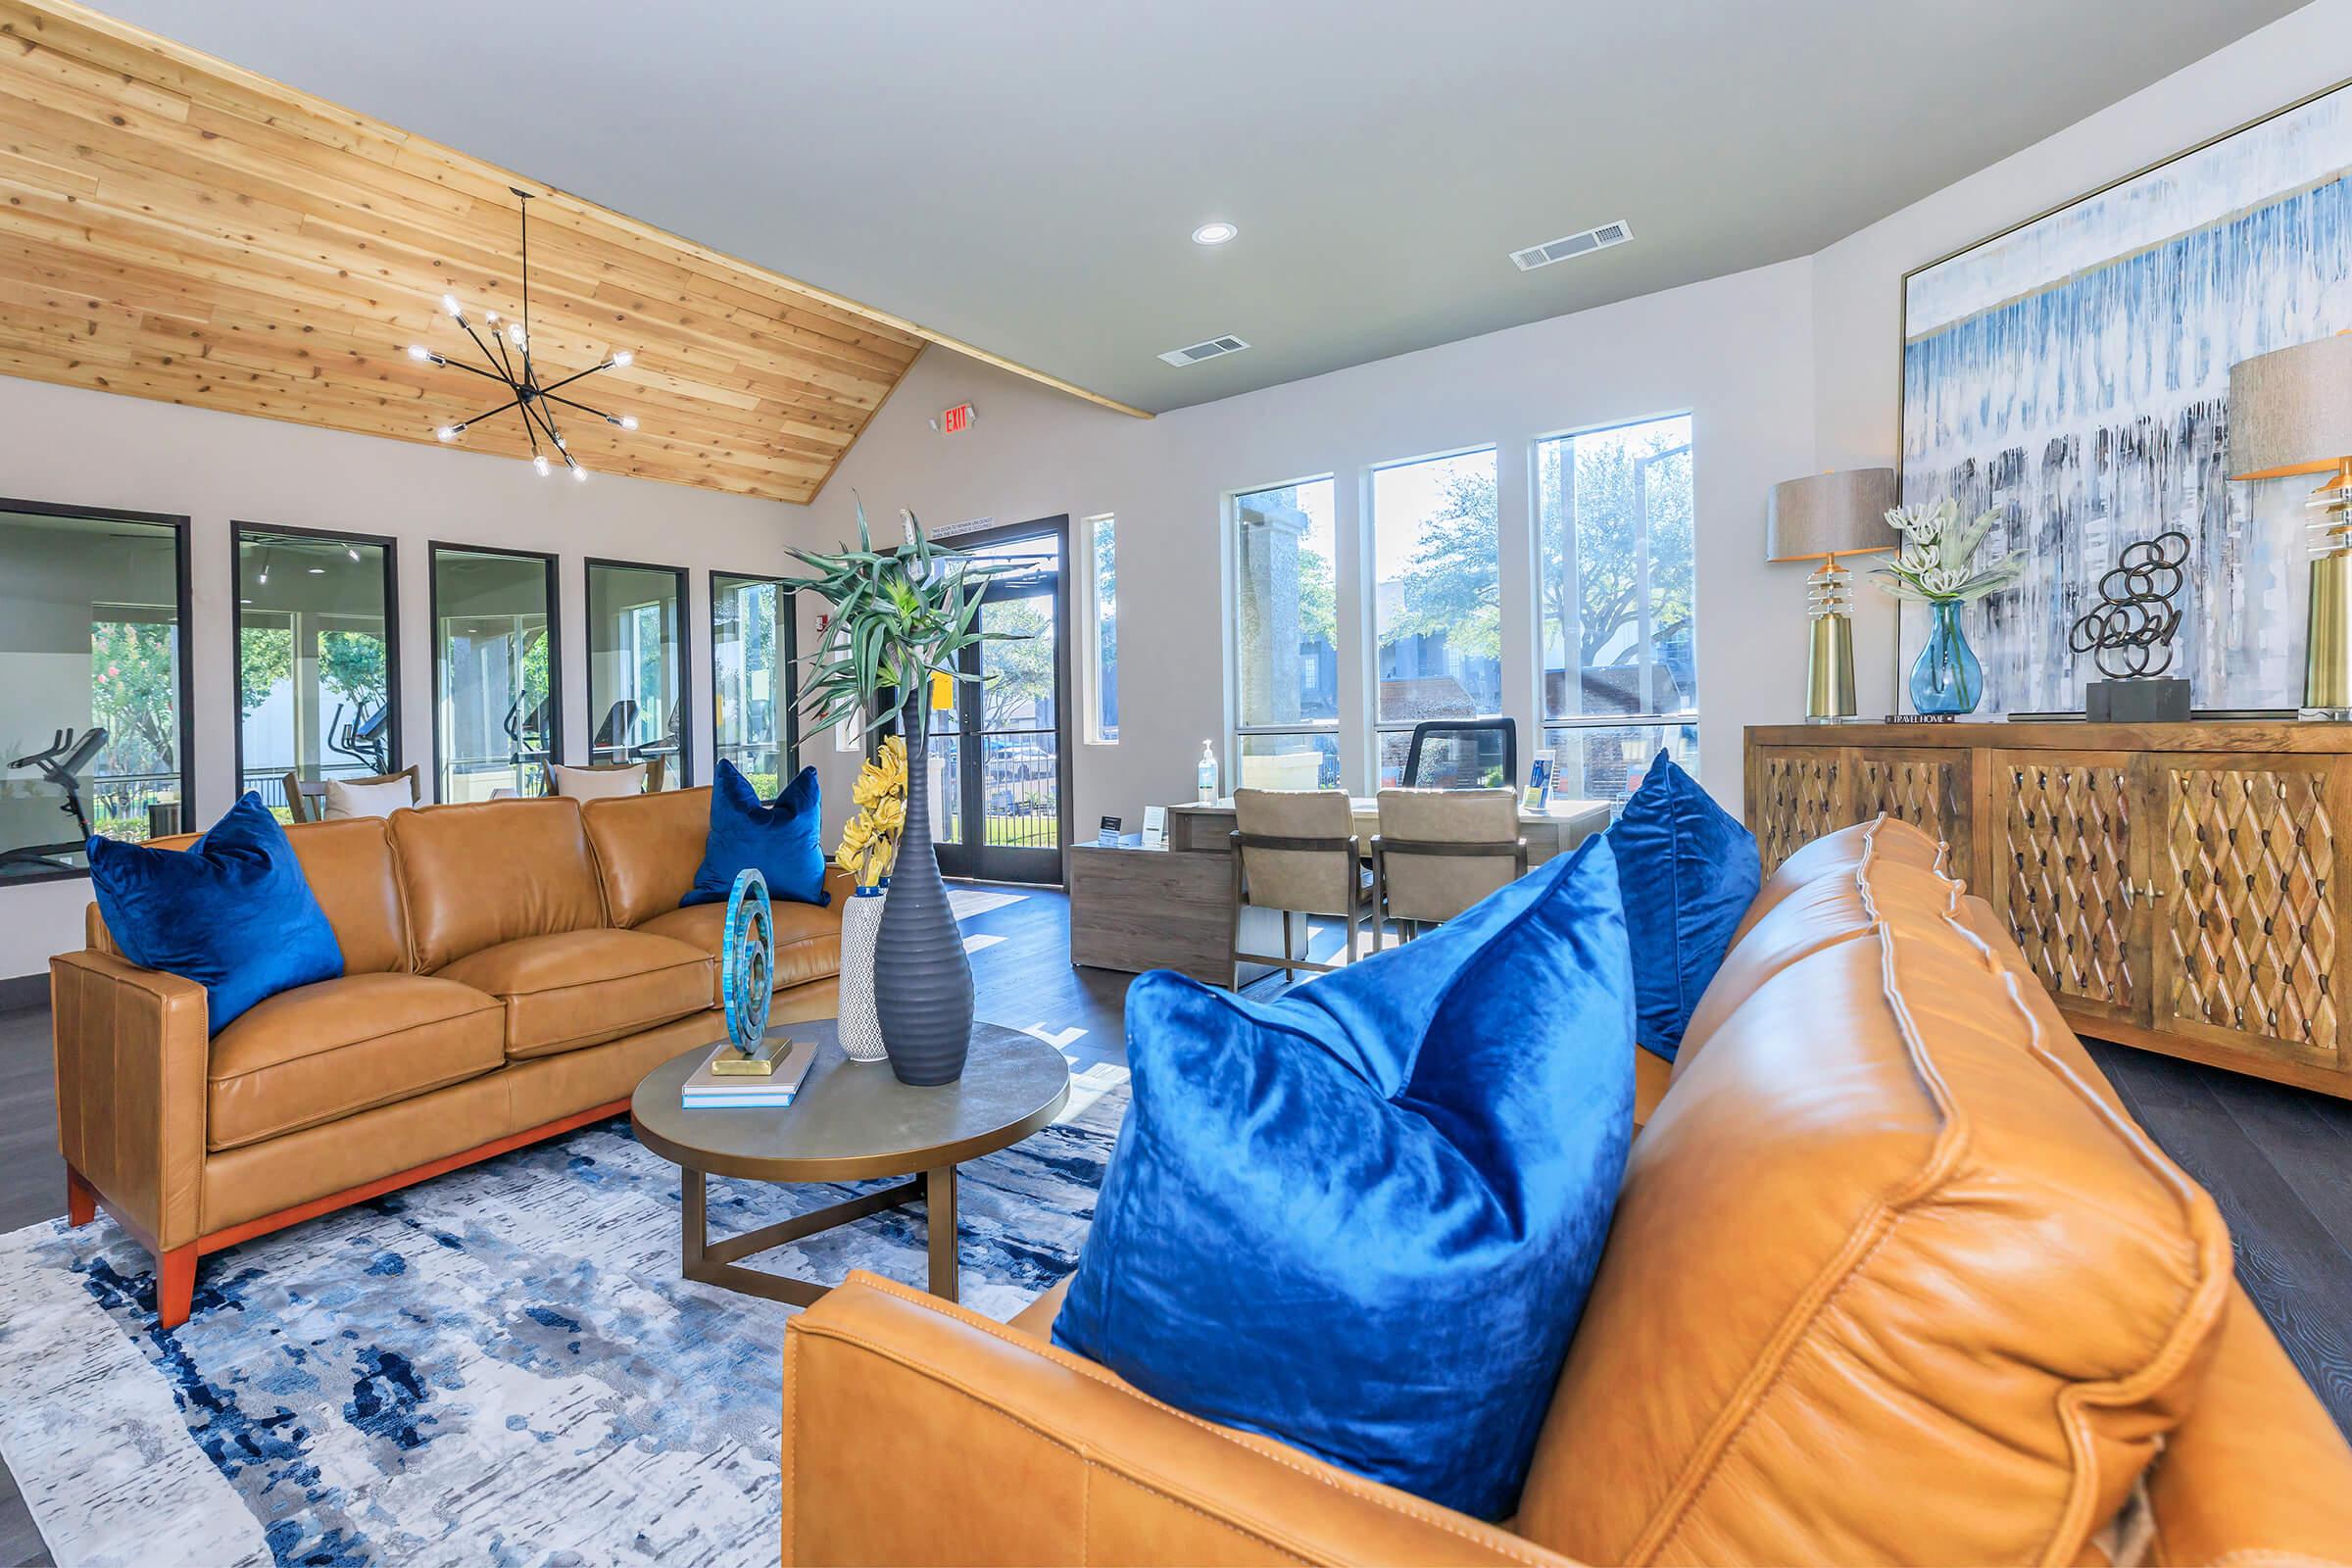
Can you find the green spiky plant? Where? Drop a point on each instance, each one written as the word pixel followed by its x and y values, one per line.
pixel 898 616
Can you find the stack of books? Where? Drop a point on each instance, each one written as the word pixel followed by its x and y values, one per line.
pixel 712 1088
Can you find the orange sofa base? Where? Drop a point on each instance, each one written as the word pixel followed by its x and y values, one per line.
pixel 175 1267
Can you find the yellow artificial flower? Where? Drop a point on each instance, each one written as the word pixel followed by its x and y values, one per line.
pixel 888 817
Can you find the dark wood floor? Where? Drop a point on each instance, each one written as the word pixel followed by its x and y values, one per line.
pixel 2278 1160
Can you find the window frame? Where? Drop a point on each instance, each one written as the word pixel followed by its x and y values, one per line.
pixel 1237 730
pixel 238 528
pixel 683 779
pixel 183 546
pixel 555 632
pixel 788 616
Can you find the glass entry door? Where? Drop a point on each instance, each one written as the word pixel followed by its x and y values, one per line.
pixel 999 754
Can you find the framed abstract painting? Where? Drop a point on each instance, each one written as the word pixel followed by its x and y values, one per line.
pixel 2073 375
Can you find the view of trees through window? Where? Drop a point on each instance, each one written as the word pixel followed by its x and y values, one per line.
pixel 1105 716
pixel 1436 597
pixel 1286 637
pixel 314 663
pixel 751 676
pixel 494 714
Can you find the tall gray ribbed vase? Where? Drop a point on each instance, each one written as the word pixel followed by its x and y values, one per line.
pixel 922 980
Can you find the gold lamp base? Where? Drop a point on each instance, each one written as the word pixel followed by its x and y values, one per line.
pixel 2327 644
pixel 1829 671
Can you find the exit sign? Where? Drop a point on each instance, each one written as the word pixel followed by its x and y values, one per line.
pixel 957 421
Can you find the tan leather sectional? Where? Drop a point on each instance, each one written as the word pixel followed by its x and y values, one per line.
pixel 511 970
pixel 1894 1277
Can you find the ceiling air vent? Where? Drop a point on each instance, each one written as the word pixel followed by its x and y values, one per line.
pixel 1559 250
pixel 1204 351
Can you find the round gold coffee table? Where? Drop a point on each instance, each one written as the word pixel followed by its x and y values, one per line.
pixel 850 1121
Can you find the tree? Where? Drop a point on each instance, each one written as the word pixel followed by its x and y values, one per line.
pixel 265 663
pixel 134 694
pixel 1020 669
pixel 1451 587
pixel 351 664
pixel 1604 510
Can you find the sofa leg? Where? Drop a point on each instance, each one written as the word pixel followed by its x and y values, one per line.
pixel 174 1286
pixel 81 1198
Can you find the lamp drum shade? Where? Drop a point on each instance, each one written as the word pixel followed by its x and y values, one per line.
pixel 2291 411
pixel 1824 514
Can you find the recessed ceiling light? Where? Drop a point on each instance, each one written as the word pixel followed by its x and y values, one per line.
pixel 317 572
pixel 1213 233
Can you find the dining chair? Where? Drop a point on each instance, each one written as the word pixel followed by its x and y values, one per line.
pixel 554 774
pixel 1296 851
pixel 306 798
pixel 1439 851
pixel 1462 754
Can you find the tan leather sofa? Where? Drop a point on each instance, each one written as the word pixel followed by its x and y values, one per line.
pixel 511 970
pixel 1893 1278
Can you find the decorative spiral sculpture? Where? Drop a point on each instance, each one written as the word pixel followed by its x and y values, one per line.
pixel 746 965
pixel 2129 634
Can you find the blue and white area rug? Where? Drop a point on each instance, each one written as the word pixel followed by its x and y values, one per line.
pixel 498 1367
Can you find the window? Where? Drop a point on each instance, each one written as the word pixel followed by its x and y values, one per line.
pixel 1437 599
pixel 752 719
pixel 497 718
pixel 637 669
pixel 93 683
pixel 1619 667
pixel 1102 646
pixel 1286 662
pixel 317 679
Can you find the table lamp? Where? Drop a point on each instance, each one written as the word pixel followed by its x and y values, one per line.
pixel 2290 412
pixel 1821 517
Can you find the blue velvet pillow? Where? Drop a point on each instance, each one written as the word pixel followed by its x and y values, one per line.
pixel 781 840
pixel 1689 870
pixel 1362 1218
pixel 232 911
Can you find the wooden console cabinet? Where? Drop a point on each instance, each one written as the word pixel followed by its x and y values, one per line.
pixel 2173 885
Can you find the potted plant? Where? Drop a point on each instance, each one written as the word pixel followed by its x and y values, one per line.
pixel 1935 567
pixel 901 617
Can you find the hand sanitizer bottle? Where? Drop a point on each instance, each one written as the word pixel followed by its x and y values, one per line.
pixel 1208 774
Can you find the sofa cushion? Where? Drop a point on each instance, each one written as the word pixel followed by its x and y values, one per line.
pixel 494 871
pixel 348 865
pixel 808 938
pixel 1894 841
pixel 646 848
pixel 1361 1219
pixel 581 988
pixel 780 838
pixel 324 1051
pixel 231 912
pixel 1689 871
pixel 1888 1282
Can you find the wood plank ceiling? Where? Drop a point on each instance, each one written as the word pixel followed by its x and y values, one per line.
pixel 179 229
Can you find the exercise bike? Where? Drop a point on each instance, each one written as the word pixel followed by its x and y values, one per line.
pixel 366 739
pixel 62 765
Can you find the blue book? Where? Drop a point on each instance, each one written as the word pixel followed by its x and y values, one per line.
pixel 712 1091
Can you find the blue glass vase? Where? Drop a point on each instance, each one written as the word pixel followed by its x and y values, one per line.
pixel 1948 679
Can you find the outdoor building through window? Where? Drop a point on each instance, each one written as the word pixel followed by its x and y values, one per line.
pixel 314 660
pixel 496 721
pixel 1437 597
pixel 1285 638
pixel 92 686
pixel 1619 666
pixel 752 719
pixel 636 668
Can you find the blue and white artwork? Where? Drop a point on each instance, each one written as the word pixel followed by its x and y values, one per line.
pixel 2074 373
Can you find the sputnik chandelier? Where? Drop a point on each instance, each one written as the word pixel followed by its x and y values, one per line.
pixel 518 373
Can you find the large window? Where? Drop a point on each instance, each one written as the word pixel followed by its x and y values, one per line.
pixel 637 667
pixel 1436 599
pixel 752 719
pixel 1619 667
pixel 1285 638
pixel 1101 607
pixel 497 718
pixel 93 683
pixel 317 674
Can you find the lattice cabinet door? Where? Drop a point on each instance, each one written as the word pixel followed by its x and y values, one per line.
pixel 1796 795
pixel 2248 927
pixel 2066 859
pixel 1929 789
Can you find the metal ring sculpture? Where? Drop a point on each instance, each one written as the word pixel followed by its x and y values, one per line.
pixel 746 966
pixel 2131 633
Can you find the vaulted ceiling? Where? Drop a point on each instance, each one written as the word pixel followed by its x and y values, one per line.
pixel 175 227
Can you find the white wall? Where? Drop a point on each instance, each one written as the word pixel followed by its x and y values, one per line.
pixel 81 447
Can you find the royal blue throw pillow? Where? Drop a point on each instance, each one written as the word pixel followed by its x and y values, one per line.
pixel 232 911
pixel 1689 870
pixel 1362 1218
pixel 780 839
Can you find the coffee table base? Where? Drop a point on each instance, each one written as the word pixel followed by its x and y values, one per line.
pixel 713 1262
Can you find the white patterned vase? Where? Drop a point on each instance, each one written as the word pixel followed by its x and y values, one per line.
pixel 861 921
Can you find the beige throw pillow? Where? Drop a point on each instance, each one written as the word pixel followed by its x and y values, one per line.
pixel 366 800
pixel 594 783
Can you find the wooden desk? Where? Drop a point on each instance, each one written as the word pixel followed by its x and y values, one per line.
pixel 1203 829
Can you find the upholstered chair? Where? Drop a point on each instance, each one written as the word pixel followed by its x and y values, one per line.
pixel 306 798
pixel 600 779
pixel 1439 851
pixel 1296 851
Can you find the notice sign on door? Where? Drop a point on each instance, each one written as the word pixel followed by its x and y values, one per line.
pixel 957 421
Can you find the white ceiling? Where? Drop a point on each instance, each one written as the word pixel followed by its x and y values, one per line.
pixel 1026 175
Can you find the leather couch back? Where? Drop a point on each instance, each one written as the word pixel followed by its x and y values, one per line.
pixel 1887 1281
pixel 648 848
pixel 497 871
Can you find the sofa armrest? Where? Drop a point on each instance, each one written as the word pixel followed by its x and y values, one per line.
pixel 131 1048
pixel 918 1431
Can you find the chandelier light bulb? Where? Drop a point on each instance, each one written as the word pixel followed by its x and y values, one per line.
pixel 491 316
pixel 540 462
pixel 515 334
pixel 449 303
pixel 623 356
pixel 628 421
pixel 578 472
pixel 418 352
pixel 449 432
